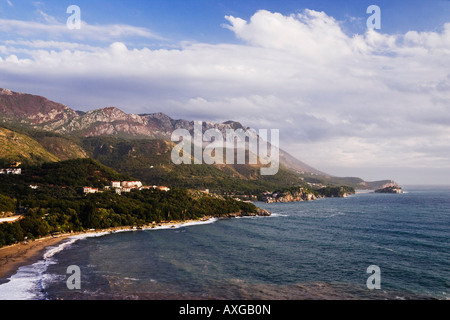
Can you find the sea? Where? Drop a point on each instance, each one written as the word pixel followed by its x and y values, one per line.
pixel 319 250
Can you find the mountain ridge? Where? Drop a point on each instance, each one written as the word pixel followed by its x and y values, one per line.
pixel 109 121
pixel 38 113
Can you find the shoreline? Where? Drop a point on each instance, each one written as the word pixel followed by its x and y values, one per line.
pixel 27 253
pixel 23 254
pixel 13 257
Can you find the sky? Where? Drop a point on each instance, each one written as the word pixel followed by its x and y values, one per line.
pixel 348 100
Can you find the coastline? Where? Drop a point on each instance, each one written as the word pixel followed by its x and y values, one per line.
pixel 19 255
pixel 23 254
pixel 27 253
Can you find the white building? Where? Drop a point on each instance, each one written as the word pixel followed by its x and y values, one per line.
pixel 115 184
pixel 126 189
pixel 131 184
pixel 90 190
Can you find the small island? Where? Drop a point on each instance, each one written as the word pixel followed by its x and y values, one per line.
pixel 390 189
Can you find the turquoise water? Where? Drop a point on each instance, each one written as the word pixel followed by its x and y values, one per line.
pixel 306 250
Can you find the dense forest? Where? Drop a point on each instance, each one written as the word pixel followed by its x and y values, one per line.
pixel 47 214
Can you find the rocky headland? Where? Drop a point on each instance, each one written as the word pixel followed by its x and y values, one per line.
pixel 391 189
pixel 260 213
pixel 302 194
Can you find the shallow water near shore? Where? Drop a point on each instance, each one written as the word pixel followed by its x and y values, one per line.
pixel 305 250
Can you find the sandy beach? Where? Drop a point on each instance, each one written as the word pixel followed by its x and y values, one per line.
pixel 22 254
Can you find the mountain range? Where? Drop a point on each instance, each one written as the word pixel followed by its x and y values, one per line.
pixel 34 130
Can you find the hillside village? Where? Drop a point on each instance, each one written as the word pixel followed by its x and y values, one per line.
pixel 117 186
pixel 124 186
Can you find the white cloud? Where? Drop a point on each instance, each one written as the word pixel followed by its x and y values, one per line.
pixel 354 100
pixel 47 18
pixel 27 46
pixel 309 35
pixel 88 32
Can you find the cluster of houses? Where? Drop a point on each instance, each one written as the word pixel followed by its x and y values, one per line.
pixel 11 171
pixel 124 186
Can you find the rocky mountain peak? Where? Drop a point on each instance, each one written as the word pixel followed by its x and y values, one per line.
pixel 32 109
pixel 108 114
pixel 235 125
pixel 6 92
